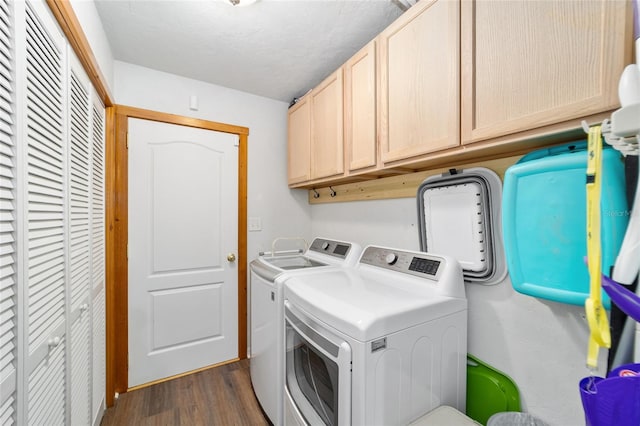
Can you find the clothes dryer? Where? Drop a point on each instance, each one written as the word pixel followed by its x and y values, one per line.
pixel 379 344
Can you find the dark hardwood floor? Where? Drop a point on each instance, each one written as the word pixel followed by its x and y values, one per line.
pixel 218 396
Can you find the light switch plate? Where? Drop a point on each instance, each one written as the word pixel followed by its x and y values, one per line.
pixel 254 224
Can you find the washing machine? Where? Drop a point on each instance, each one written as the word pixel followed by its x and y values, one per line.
pixel 268 271
pixel 382 343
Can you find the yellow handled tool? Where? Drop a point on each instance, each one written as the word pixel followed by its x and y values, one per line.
pixel 599 335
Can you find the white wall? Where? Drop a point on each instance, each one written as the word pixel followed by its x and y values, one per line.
pixel 283 212
pixel 541 345
pixel 91 24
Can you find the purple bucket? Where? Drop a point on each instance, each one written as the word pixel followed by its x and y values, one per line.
pixel 614 400
pixel 627 370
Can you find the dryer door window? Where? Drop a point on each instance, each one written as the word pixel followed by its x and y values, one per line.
pixel 313 373
pixel 316 377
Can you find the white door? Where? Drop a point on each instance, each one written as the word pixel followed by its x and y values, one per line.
pixel 79 237
pixel 98 260
pixel 183 209
pixel 42 151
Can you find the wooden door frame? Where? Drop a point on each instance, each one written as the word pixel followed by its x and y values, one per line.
pixel 116 192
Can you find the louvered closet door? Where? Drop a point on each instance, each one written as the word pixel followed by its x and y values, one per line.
pixel 8 270
pixel 79 198
pixel 45 233
pixel 98 365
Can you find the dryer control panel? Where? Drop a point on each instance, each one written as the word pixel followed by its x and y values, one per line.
pixel 425 266
pixel 420 264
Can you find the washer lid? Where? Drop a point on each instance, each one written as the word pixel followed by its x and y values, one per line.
pixel 323 252
pixel 366 307
pixel 459 215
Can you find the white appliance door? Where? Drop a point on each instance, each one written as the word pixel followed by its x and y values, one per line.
pixel 266 337
pixel 183 210
pixel 317 372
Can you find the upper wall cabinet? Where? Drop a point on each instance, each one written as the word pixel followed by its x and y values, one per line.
pixel 299 136
pixel 529 64
pixel 315 133
pixel 360 134
pixel 419 81
pixel 446 74
pixel 327 147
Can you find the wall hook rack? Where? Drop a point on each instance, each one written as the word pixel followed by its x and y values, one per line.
pixel 316 194
pixel 332 192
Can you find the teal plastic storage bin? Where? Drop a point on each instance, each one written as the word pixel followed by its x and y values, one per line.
pixel 544 221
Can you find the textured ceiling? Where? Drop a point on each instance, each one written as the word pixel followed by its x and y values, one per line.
pixel 274 48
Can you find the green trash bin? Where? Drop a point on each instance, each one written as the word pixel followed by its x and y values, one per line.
pixel 489 391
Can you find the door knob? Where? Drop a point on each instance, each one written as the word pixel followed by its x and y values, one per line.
pixel 231 257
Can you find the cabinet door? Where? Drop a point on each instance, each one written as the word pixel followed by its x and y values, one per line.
pixel 535 63
pixel 420 81
pixel 299 137
pixel 360 109
pixel 327 147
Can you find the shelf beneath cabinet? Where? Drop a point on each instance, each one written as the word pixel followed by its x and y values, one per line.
pixel 401 186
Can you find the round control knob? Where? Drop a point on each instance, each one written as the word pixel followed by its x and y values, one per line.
pixel 391 258
pixel 325 245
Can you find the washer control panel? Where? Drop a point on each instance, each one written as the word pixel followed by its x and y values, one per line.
pixel 333 248
pixel 414 263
